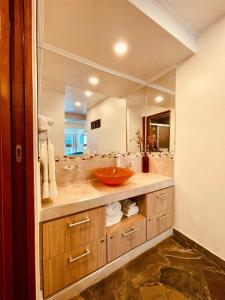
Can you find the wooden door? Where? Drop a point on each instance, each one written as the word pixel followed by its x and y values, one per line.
pixel 17 273
pixel 6 246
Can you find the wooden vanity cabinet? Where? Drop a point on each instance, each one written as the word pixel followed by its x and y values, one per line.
pixel 73 247
pixel 77 245
pixel 158 208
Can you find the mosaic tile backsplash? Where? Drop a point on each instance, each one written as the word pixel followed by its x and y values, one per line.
pixel 80 168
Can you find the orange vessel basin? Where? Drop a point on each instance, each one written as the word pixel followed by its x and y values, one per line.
pixel 113 175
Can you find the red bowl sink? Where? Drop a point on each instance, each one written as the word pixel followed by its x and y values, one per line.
pixel 113 175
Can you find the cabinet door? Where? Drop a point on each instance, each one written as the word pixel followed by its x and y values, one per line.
pixel 163 199
pixel 151 227
pixel 164 220
pixel 113 247
pixel 64 234
pixel 69 267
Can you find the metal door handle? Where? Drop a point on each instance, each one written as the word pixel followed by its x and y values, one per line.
pixel 87 220
pixel 72 259
pixel 133 230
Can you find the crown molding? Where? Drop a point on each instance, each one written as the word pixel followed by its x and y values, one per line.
pixel 160 12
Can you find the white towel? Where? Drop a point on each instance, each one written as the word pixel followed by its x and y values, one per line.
pixel 132 211
pixel 47 159
pixel 113 213
pixel 111 221
pixel 127 203
pixel 51 171
pixel 44 127
pixel 44 169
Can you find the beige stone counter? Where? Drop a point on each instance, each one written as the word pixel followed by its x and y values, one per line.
pixel 78 197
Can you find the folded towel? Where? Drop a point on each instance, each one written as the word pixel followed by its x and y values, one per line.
pixel 113 208
pixel 111 221
pixel 132 211
pixel 127 203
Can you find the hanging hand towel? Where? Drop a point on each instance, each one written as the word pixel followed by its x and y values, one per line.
pixel 44 167
pixel 51 171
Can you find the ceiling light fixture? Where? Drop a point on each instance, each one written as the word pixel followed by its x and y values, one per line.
pixel 88 93
pixel 159 99
pixel 120 48
pixel 77 103
pixel 93 80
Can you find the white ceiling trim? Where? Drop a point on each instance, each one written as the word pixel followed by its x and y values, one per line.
pixel 163 4
pixel 90 63
pixel 159 12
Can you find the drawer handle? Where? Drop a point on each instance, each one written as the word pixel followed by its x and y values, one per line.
pixel 162 195
pixel 87 220
pixel 72 259
pixel 133 230
pixel 162 218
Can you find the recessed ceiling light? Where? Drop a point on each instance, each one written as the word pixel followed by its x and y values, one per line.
pixel 77 103
pixel 88 93
pixel 120 48
pixel 93 80
pixel 159 99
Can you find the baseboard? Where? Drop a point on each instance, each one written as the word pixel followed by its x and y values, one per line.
pixel 108 269
pixel 186 241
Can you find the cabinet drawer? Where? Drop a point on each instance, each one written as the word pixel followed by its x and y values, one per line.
pixel 164 220
pixel 64 234
pixel 69 267
pixel 129 235
pixel 163 199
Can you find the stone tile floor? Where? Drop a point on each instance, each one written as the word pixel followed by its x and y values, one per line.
pixel 168 271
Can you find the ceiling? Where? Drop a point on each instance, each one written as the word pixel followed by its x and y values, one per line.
pixel 61 71
pixel 90 29
pixel 197 14
pixel 147 96
pixel 73 95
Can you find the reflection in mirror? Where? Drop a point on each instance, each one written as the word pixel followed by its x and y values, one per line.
pixel 95 112
pixel 160 121
pixel 88 117
pixel 150 113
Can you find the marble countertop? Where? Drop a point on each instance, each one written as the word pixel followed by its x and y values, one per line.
pixel 78 197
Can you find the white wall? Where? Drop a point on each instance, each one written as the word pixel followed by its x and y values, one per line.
pixel 51 104
pixel 111 137
pixel 200 142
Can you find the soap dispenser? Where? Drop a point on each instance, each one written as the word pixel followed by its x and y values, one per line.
pixel 145 163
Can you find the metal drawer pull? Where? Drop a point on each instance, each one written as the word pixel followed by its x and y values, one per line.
pixel 162 195
pixel 72 259
pixel 133 230
pixel 87 220
pixel 162 217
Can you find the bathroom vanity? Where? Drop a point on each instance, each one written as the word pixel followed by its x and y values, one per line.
pixel 74 239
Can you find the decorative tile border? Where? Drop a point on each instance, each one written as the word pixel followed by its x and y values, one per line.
pixel 80 168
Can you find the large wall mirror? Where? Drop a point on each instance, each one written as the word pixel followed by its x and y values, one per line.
pixel 98 102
